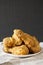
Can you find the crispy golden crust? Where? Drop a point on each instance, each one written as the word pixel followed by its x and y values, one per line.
pixel 35 49
pixel 8 42
pixel 35 41
pixel 18 41
pixel 30 41
pixel 21 43
pixel 6 49
pixel 18 32
pixel 15 36
pixel 19 50
pixel 26 38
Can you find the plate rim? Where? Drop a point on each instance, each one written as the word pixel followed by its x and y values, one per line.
pixel 21 56
pixel 18 56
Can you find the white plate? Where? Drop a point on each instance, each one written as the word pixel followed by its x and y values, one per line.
pixel 23 56
pixel 5 57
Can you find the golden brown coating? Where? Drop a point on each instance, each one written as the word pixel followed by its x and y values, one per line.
pixel 35 40
pixel 19 50
pixel 18 32
pixel 21 43
pixel 26 38
pixel 35 49
pixel 18 41
pixel 8 42
pixel 30 41
pixel 6 49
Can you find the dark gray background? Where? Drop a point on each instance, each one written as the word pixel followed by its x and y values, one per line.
pixel 24 14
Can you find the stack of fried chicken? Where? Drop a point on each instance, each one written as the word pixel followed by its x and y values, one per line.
pixel 21 43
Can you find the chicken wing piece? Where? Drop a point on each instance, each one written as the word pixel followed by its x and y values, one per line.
pixel 36 41
pixel 18 41
pixel 18 32
pixel 35 49
pixel 8 42
pixel 19 50
pixel 30 41
pixel 26 38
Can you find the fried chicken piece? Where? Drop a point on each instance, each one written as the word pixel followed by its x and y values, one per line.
pixel 31 42
pixel 35 49
pixel 18 41
pixel 8 42
pixel 19 50
pixel 18 32
pixel 35 41
pixel 17 38
pixel 26 38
